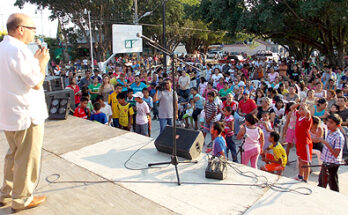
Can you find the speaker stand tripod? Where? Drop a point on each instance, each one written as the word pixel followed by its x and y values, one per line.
pixel 174 158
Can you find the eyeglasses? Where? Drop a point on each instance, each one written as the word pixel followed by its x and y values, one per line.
pixel 30 28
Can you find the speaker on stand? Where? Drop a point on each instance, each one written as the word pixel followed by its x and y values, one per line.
pixel 189 143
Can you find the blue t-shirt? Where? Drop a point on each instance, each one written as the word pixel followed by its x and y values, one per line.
pixel 124 89
pixel 199 103
pixel 99 117
pixel 219 146
pixel 149 101
pixel 139 88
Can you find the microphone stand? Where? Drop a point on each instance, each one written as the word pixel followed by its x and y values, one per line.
pixel 174 158
pixel 241 150
pixel 328 164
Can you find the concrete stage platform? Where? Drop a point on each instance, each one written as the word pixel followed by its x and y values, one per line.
pixel 80 150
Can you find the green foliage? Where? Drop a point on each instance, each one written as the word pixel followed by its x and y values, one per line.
pixel 2 34
pixel 320 24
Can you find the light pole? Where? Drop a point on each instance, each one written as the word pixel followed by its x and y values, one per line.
pixel 164 35
pixel 90 38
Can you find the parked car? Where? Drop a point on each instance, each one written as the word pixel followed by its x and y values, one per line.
pixel 211 54
pixel 267 55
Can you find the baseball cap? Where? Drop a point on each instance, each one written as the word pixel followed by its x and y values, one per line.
pixel 138 95
pixel 246 92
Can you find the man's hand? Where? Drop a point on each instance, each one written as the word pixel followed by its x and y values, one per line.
pixel 43 56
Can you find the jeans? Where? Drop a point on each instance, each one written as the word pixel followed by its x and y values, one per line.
pixel 142 129
pixel 237 123
pixel 328 174
pixel 231 146
pixel 184 93
pixel 164 122
pixel 115 122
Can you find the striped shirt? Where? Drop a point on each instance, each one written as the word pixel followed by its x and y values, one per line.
pixel 336 141
pixel 210 110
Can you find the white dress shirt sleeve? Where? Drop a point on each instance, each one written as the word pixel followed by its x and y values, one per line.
pixel 27 68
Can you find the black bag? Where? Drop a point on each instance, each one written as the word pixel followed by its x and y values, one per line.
pixel 216 169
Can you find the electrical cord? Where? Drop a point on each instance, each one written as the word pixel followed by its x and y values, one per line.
pixel 54 179
pixel 144 168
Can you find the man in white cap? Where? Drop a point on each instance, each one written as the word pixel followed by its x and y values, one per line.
pixel 143 111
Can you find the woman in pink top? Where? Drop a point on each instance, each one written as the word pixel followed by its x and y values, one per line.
pixel 289 127
pixel 254 140
pixel 220 85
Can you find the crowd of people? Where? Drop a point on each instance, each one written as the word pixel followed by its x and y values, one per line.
pixel 270 105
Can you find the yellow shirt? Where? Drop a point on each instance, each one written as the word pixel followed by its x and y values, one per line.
pixel 285 91
pixel 113 81
pixel 279 153
pixel 124 112
pixel 112 100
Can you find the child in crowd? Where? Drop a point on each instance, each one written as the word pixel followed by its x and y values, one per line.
pixel 113 102
pixel 105 108
pixel 82 111
pixel 125 112
pixel 210 110
pixel 332 153
pixel 148 99
pixel 188 113
pixel 229 128
pixel 289 127
pixel 142 112
pixel 219 148
pixel 276 162
pixel 253 142
pixel 316 133
pixel 303 140
pixel 98 115
pixel 89 104
pixel 266 126
pixel 132 102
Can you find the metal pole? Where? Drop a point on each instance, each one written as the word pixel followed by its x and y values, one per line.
pixel 91 40
pixel 164 36
pixel 136 21
pixel 136 18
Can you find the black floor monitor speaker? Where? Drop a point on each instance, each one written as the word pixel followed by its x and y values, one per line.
pixel 189 143
pixel 59 103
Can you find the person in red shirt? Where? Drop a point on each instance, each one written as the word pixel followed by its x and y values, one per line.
pixel 82 111
pixel 245 106
pixel 229 102
pixel 303 140
pixel 77 92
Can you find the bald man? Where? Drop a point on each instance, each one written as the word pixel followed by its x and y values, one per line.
pixel 22 112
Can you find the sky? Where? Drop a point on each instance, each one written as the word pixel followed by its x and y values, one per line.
pixel 43 24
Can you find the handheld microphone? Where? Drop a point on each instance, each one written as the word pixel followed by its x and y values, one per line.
pixel 38 43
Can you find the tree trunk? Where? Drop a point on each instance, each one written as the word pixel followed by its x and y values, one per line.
pixel 340 56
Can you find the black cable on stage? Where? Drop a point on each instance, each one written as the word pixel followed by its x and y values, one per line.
pixel 144 168
pixel 273 186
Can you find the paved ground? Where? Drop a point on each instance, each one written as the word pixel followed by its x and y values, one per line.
pixel 71 198
pixel 290 171
pixel 100 198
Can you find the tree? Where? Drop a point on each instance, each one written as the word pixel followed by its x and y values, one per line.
pixel 200 37
pixel 2 34
pixel 177 26
pixel 301 25
pixel 104 13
